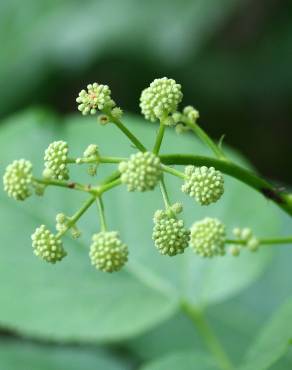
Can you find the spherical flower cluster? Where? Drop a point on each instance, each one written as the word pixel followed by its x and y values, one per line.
pixel 107 252
pixel 56 156
pixel 141 172
pixel 97 97
pixel 169 234
pixel 208 237
pixel 17 179
pixel 204 184
pixel 47 246
pixel 160 99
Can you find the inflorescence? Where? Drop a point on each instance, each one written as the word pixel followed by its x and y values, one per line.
pixel 142 171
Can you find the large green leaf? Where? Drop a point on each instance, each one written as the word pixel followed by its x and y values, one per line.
pixel 73 301
pixel 273 341
pixel 16 355
pixel 182 361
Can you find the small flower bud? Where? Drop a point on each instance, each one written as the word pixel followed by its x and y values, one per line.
pixel 191 113
pixel 204 184
pixel 97 97
pixel 47 246
pixel 234 250
pixel 17 179
pixel 91 151
pixel 169 235
pixel 56 156
pixel 208 237
pixel 160 99
pixel 253 244
pixel 107 252
pixel 117 112
pixel 141 172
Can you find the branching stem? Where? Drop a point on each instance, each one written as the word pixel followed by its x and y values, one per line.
pixel 283 200
pixel 212 342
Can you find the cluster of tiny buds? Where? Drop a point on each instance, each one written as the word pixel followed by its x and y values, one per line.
pixel 205 184
pixel 47 246
pixel 90 153
pixel 169 234
pixel 160 99
pixel 56 156
pixel 247 240
pixel 96 97
pixel 18 179
pixel 107 252
pixel 141 172
pixel 189 113
pixel 208 237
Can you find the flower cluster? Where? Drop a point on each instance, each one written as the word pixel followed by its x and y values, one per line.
pixel 18 179
pixel 141 172
pixel 47 246
pixel 56 156
pixel 97 97
pixel 208 237
pixel 160 99
pixel 246 239
pixel 169 234
pixel 204 184
pixel 107 252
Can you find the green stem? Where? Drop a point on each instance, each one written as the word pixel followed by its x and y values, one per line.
pixel 205 138
pixel 64 184
pixel 212 342
pixel 283 200
pixel 164 193
pixel 173 171
pixel 114 176
pixel 101 213
pixel 128 133
pixel 96 160
pixel 102 189
pixel 159 138
pixel 266 241
pixel 77 215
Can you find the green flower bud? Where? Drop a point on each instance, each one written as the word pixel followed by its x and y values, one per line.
pixel 17 179
pixel 97 97
pixel 47 246
pixel 169 234
pixel 117 112
pixel 204 184
pixel 56 156
pixel 91 151
pixel 191 113
pixel 234 250
pixel 247 237
pixel 141 172
pixel 160 99
pixel 253 244
pixel 208 237
pixel 107 252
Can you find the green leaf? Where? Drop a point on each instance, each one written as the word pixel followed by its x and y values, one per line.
pixel 15 355
pixel 182 361
pixel 273 341
pixel 89 305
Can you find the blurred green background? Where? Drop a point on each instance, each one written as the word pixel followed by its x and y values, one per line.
pixel 233 59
